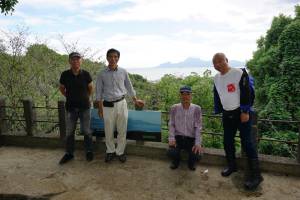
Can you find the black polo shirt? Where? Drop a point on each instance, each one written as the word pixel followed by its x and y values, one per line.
pixel 76 89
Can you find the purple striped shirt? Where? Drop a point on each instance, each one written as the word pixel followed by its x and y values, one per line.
pixel 186 122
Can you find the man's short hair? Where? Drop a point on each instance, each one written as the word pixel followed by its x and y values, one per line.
pixel 113 51
pixel 74 54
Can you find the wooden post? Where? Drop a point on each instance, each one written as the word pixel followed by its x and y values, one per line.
pixel 30 115
pixel 3 124
pixel 62 119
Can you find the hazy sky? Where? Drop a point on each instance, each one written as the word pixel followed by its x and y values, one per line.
pixel 151 32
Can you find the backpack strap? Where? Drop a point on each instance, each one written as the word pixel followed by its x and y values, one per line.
pixel 218 108
pixel 246 100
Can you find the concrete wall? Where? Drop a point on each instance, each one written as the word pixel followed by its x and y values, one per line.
pixel 157 150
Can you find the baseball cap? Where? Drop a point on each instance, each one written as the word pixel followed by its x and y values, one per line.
pixel 74 54
pixel 186 89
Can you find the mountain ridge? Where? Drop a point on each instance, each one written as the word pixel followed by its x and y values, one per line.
pixel 197 62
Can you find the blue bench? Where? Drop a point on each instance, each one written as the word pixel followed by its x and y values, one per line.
pixel 142 125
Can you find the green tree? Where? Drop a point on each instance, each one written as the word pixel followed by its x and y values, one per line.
pixel 7 6
pixel 167 90
pixel 275 66
pixel 202 90
pixel 14 75
pixel 46 66
pixel 145 90
pixel 33 70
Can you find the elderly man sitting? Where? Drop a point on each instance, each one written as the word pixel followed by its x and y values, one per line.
pixel 185 129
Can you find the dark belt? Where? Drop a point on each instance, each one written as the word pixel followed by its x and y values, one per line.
pixel 237 110
pixel 117 100
pixel 183 137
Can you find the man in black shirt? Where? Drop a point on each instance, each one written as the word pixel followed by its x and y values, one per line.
pixel 76 85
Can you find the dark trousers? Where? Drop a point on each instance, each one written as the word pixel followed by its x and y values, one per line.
pixel 85 118
pixel 232 123
pixel 185 143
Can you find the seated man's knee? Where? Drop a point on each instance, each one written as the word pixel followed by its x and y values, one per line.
pixel 195 156
pixel 172 152
pixel 88 134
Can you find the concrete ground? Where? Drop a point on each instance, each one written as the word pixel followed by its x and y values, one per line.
pixel 35 174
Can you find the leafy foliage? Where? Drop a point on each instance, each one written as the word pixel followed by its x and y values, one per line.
pixel 32 71
pixel 7 6
pixel 276 68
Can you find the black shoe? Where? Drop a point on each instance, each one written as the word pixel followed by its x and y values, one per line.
pixel 228 171
pixel 192 167
pixel 109 157
pixel 67 157
pixel 174 165
pixel 122 158
pixel 253 183
pixel 89 156
pixel 254 177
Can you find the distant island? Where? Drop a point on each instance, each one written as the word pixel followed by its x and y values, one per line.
pixel 197 62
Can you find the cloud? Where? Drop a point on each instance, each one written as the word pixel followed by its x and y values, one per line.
pixel 87 41
pixel 150 32
pixel 69 5
pixel 172 10
pixel 58 4
pixel 33 20
pixel 93 3
pixel 5 23
pixel 143 10
pixel 139 51
pixel 178 10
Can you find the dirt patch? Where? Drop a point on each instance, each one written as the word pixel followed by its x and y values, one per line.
pixel 35 173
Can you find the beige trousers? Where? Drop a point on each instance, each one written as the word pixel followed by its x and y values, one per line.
pixel 115 118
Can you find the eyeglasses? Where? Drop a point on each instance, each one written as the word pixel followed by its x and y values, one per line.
pixel 185 93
